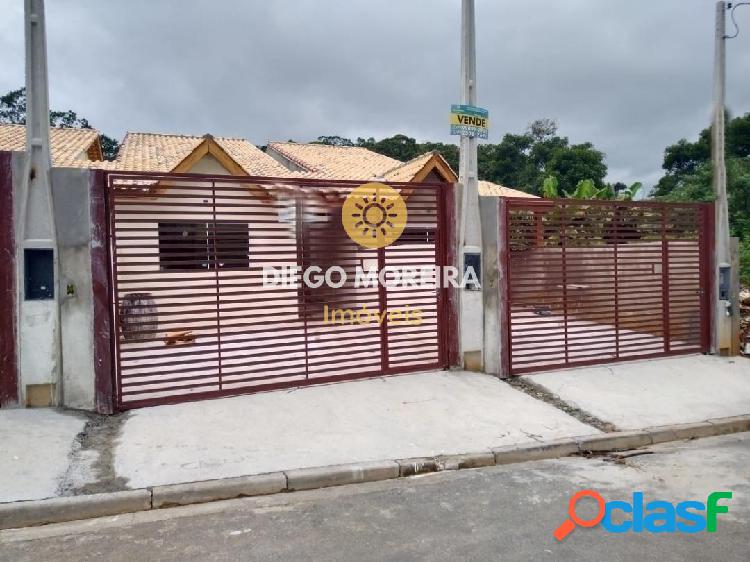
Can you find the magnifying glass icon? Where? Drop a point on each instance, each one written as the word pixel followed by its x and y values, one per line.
pixel 569 524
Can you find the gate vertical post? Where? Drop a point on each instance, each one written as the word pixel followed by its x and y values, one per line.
pixel 301 261
pixel 616 233
pixel 383 305
pixel 665 327
pixel 115 293
pixel 564 243
pixel 214 263
pixel 503 287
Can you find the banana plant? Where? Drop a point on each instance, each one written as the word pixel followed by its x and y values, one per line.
pixel 586 189
pixel 630 192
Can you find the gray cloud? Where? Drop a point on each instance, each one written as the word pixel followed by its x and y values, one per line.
pixel 629 75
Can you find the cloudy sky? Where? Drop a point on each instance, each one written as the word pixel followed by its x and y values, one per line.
pixel 631 76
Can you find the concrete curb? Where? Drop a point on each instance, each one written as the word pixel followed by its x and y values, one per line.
pixel 214 490
pixel 338 475
pixel 58 510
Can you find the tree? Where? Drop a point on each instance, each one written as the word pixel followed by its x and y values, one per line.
pixel 13 107
pixel 521 161
pixel 334 141
pixel 524 161
pixel 572 164
pixel 689 174
pixel 542 129
pixel 13 111
pixel 400 147
pixel 404 148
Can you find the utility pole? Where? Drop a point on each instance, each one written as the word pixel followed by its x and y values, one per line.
pixel 37 255
pixel 722 329
pixel 471 305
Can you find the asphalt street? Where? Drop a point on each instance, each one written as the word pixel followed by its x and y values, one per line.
pixel 497 513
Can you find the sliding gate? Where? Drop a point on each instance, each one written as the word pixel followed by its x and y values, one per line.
pixel 206 301
pixel 600 281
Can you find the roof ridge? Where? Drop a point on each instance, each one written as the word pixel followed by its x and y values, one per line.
pixel 311 143
pixel 185 136
pixel 402 164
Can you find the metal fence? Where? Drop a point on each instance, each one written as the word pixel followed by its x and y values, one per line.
pixel 199 313
pixel 598 281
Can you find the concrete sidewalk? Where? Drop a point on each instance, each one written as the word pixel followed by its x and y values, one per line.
pixel 35 451
pixel 395 417
pixel 47 453
pixel 638 394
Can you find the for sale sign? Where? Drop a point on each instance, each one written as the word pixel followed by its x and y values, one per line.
pixel 470 121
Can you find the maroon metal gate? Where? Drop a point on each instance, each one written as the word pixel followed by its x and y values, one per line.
pixel 199 314
pixel 600 281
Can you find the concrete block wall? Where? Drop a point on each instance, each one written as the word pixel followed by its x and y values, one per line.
pixel 70 189
pixel 31 365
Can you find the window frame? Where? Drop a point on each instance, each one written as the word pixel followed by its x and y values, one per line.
pixel 209 233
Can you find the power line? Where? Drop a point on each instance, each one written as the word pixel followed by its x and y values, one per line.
pixel 733 7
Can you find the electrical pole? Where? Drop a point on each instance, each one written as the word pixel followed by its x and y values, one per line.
pixel 37 256
pixel 722 329
pixel 471 305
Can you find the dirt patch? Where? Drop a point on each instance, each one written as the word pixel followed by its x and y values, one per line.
pixel 91 469
pixel 541 393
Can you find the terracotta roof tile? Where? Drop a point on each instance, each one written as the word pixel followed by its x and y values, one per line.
pixel 490 189
pixel 407 170
pixel 68 147
pixel 252 159
pixel 155 152
pixel 335 162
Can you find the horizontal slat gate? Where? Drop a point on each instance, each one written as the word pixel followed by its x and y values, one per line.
pixel 196 319
pixel 599 281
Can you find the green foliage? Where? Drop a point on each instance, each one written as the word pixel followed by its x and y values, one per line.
pixel 404 148
pixel 524 161
pixel 13 111
pixel 549 188
pixel 334 140
pixel 745 262
pixel 689 177
pixel 110 147
pixel 585 189
pixel 400 147
pixel 67 120
pixel 13 107
pixel 628 193
pixel 521 161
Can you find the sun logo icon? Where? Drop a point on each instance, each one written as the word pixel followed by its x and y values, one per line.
pixel 374 215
